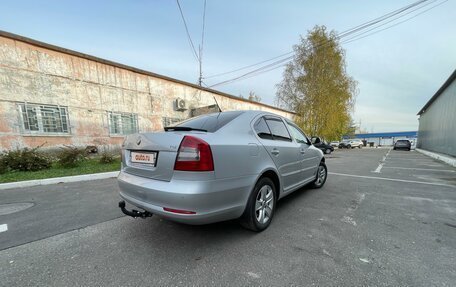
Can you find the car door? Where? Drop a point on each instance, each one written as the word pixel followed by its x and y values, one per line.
pixel 282 149
pixel 308 157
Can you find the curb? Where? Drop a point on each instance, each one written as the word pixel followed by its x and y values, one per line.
pixel 445 158
pixel 54 180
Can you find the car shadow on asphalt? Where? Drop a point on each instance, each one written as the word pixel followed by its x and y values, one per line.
pixel 157 237
pixel 146 230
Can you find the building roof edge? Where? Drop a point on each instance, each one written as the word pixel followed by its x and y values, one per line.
pixel 439 92
pixel 130 68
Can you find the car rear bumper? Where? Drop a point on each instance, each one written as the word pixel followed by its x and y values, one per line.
pixel 211 200
pixel 403 147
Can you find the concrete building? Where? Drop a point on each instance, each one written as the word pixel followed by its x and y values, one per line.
pixel 387 139
pixel 54 96
pixel 437 122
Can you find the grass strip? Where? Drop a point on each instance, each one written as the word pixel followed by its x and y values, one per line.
pixel 86 167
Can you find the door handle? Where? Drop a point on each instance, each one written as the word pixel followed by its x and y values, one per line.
pixel 303 151
pixel 275 151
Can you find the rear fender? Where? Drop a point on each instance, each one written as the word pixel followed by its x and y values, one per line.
pixel 279 180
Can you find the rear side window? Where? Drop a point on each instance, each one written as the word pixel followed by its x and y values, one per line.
pixel 298 134
pixel 278 129
pixel 262 129
pixel 210 122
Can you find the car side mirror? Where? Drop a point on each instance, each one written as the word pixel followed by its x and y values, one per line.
pixel 316 140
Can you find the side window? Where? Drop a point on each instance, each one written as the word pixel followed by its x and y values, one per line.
pixel 278 129
pixel 297 134
pixel 262 129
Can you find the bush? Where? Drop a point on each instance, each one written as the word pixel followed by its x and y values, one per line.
pixel 71 156
pixel 107 157
pixel 24 160
pixel 3 165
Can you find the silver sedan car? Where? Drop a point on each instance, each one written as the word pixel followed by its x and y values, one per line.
pixel 218 167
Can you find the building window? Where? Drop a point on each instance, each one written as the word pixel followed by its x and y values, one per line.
pixel 44 119
pixel 122 123
pixel 167 122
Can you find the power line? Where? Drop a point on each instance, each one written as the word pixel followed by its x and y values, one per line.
pixel 249 66
pixel 342 34
pixel 380 19
pixel 394 19
pixel 256 71
pixel 188 34
pixel 355 38
pixel 282 62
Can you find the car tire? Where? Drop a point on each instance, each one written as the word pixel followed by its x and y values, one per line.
pixel 349 146
pixel 322 175
pixel 359 146
pixel 328 151
pixel 261 206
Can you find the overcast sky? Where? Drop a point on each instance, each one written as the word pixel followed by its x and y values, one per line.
pixel 398 69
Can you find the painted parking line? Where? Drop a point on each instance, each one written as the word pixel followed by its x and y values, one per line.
pixel 415 168
pixel 416 163
pixel 391 179
pixel 410 160
pixel 382 162
pixel 3 227
pixel 432 164
pixel 402 158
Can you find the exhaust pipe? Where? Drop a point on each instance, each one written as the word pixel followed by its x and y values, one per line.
pixel 134 213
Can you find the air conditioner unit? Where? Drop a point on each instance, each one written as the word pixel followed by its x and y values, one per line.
pixel 181 105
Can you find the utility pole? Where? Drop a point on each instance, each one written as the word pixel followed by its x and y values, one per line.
pixel 200 79
pixel 200 58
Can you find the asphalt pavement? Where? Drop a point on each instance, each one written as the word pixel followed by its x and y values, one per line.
pixel 383 218
pixel 39 212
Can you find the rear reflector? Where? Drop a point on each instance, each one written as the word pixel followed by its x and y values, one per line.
pixel 194 155
pixel 178 211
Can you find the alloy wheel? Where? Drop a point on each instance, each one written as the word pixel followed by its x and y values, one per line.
pixel 321 175
pixel 264 204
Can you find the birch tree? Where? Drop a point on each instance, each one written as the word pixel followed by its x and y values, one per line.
pixel 317 87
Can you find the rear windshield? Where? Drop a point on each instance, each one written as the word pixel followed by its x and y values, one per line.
pixel 402 141
pixel 210 122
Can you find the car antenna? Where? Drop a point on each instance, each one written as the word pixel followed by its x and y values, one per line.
pixel 217 104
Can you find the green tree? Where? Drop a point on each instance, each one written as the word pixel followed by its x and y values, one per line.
pixel 317 87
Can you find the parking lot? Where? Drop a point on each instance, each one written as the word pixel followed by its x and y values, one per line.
pixel 384 217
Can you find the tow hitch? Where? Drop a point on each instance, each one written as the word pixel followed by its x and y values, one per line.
pixel 133 213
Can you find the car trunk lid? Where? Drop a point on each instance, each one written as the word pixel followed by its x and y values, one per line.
pixel 151 155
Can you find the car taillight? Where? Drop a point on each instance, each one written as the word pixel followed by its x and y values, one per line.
pixel 194 155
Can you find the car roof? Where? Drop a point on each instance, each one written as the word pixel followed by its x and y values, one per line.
pixel 249 112
pixel 254 113
pixel 258 112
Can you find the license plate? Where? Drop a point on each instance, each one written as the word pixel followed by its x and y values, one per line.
pixel 143 157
